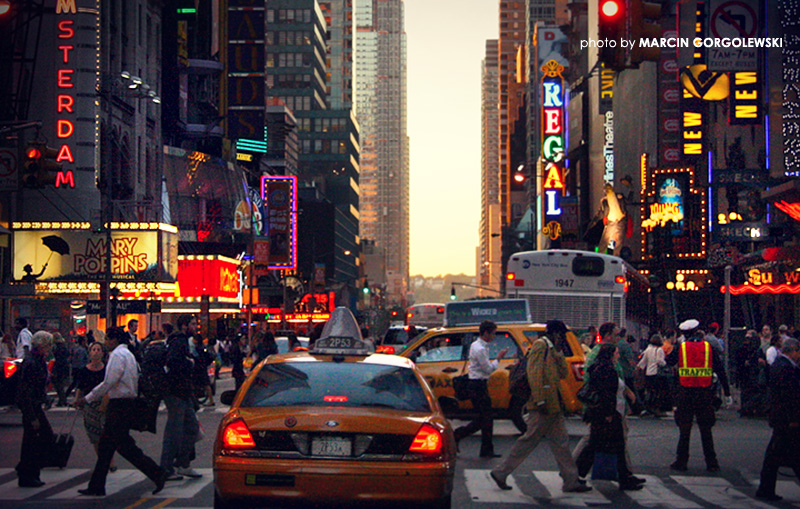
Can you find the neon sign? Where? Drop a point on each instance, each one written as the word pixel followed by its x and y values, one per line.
pixel 745 100
pixel 552 145
pixel 790 209
pixel 65 101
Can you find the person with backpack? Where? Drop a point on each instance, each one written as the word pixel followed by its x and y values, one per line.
pixel 181 431
pixel 546 367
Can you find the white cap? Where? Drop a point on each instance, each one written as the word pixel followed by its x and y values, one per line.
pixel 689 325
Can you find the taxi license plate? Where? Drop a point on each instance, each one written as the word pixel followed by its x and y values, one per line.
pixel 331 446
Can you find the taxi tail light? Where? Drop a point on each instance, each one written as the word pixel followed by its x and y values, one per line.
pixel 577 370
pixel 9 368
pixel 620 279
pixel 427 441
pixel 237 436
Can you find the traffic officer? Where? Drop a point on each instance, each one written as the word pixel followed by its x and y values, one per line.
pixel 697 363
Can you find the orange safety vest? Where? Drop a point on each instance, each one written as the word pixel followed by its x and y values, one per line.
pixel 694 364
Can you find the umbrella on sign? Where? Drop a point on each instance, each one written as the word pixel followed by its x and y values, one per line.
pixel 56 244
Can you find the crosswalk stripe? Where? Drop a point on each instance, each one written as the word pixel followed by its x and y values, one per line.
pixel 718 491
pixel 552 482
pixel 187 487
pixel 115 482
pixel 482 489
pixel 5 471
pixel 655 494
pixel 10 490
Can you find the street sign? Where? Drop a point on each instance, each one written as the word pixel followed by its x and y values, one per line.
pixel 733 19
pixel 8 171
pixel 98 307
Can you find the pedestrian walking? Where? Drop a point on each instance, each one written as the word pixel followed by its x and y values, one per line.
pixel 7 347
pixel 784 418
pixel 773 350
pixel 606 433
pixel 653 363
pixel 24 337
pixel 181 431
pixel 31 395
pixel 61 369
pixel 121 384
pixel 546 367
pixel 238 352
pixel 480 369
pixel 697 362
pixel 78 359
pixel 85 379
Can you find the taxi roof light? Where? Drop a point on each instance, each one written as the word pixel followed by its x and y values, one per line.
pixel 237 436
pixel 9 369
pixel 428 441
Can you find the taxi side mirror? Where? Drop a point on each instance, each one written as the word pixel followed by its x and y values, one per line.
pixel 227 397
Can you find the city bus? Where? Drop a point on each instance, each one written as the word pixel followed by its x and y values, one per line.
pixel 580 288
pixel 425 315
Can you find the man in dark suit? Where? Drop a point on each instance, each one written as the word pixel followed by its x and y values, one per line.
pixel 784 418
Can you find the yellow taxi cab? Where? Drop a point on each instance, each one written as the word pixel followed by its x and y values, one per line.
pixel 336 424
pixel 443 353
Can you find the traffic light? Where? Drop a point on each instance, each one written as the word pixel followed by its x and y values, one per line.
pixel 611 30
pixel 453 292
pixel 365 289
pixel 39 166
pixel 645 23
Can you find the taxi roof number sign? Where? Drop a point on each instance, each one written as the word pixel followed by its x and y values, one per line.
pixel 337 345
pixel 474 312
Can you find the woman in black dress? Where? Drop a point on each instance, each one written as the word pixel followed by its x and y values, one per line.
pixel 86 379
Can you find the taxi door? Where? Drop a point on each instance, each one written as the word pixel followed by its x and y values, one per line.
pixel 441 357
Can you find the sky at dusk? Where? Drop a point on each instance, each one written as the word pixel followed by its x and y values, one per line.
pixel 446 43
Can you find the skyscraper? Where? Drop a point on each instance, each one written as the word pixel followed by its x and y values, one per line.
pixel 380 63
pixel 489 266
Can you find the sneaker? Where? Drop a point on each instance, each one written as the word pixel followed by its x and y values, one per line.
pixel 639 480
pixel 630 486
pixel 189 472
pixel 579 488
pixel 173 477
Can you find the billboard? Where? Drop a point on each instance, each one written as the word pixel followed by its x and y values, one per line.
pixel 43 255
pixel 280 196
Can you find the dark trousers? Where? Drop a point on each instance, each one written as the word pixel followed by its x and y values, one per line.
pixel 482 402
pixel 116 438
pixel 783 449
pixel 34 445
pixel 695 404
pixel 604 437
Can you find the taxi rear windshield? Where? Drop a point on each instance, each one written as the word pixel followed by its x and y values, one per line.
pixel 343 384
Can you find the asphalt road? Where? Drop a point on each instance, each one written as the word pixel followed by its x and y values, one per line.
pixel 740 446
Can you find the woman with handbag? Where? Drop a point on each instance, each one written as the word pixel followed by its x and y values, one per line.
pixel 86 379
pixel 605 418
pixel 653 364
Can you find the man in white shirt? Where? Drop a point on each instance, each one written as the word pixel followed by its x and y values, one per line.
pixel 481 368
pixel 24 337
pixel 121 383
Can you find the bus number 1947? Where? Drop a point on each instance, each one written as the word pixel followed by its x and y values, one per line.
pixel 564 283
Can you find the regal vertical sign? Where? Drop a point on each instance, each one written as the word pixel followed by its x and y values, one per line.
pixel 553 143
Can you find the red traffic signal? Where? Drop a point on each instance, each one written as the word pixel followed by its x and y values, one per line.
pixel 610 9
pixel 40 166
pixel 33 153
pixel 611 31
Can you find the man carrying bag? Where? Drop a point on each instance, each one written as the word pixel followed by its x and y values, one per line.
pixel 546 368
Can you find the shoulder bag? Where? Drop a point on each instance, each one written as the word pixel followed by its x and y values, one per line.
pixel 461 384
